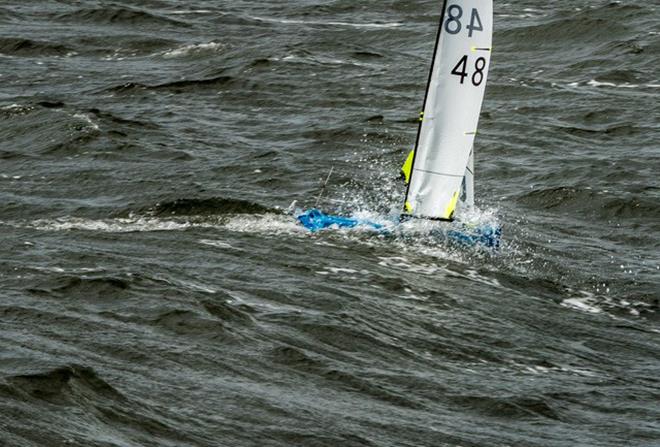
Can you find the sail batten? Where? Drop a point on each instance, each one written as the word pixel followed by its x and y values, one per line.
pixel 441 173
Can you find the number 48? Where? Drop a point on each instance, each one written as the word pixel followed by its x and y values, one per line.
pixel 453 24
pixel 461 70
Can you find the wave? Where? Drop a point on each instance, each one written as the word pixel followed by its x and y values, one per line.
pixel 181 86
pixel 78 396
pixel 206 207
pixel 119 15
pixel 641 302
pixel 6 15
pixel 16 46
pixel 592 25
pixel 593 83
pixel 229 312
pixel 514 407
pixel 618 77
pixel 589 202
pixel 175 215
pixel 51 104
pixel 188 323
pixel 12 110
pixel 192 11
pixel 193 83
pixel 117 225
pixel 367 55
pixel 65 385
pixel 120 121
pixel 194 49
pixel 83 286
pixel 47 128
pixel 328 23
pixel 51 126
pixel 613 131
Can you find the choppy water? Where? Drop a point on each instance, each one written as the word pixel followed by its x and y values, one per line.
pixel 154 294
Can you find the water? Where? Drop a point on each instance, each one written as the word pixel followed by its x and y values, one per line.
pixel 154 293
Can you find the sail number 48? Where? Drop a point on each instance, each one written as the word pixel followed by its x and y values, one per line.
pixel 461 70
pixel 453 25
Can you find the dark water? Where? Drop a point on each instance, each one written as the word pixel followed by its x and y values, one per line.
pixel 153 293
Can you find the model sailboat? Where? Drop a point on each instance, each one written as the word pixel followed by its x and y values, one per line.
pixel 439 171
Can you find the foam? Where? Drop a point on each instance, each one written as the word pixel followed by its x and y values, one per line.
pixel 187 50
pixel 86 118
pixel 17 109
pixel 595 83
pixel 604 84
pixel 192 11
pixel 559 369
pixel 269 224
pixel 585 304
pixel 320 60
pixel 218 244
pixel 402 263
pixel 342 272
pixel 121 225
pixel 318 23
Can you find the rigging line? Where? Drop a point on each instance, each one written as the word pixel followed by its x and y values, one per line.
pixel 318 199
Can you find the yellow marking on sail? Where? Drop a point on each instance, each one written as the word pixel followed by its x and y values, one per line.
pixel 421 116
pixel 409 208
pixel 406 170
pixel 449 212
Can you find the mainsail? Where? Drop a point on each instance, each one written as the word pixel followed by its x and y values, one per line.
pixel 440 170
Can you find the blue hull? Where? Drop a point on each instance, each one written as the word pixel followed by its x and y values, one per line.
pixel 486 236
pixel 315 220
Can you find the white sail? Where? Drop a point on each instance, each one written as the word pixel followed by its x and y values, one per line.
pixel 451 111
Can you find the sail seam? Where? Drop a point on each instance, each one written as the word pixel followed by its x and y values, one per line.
pixel 439 173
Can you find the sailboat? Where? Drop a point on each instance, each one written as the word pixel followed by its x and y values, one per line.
pixel 439 172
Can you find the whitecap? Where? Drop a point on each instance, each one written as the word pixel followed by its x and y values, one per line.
pixel 217 244
pixel 595 83
pixel 87 119
pixel 193 49
pixel 583 304
pixel 121 225
pixel 269 224
pixel 319 23
pixel 191 11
